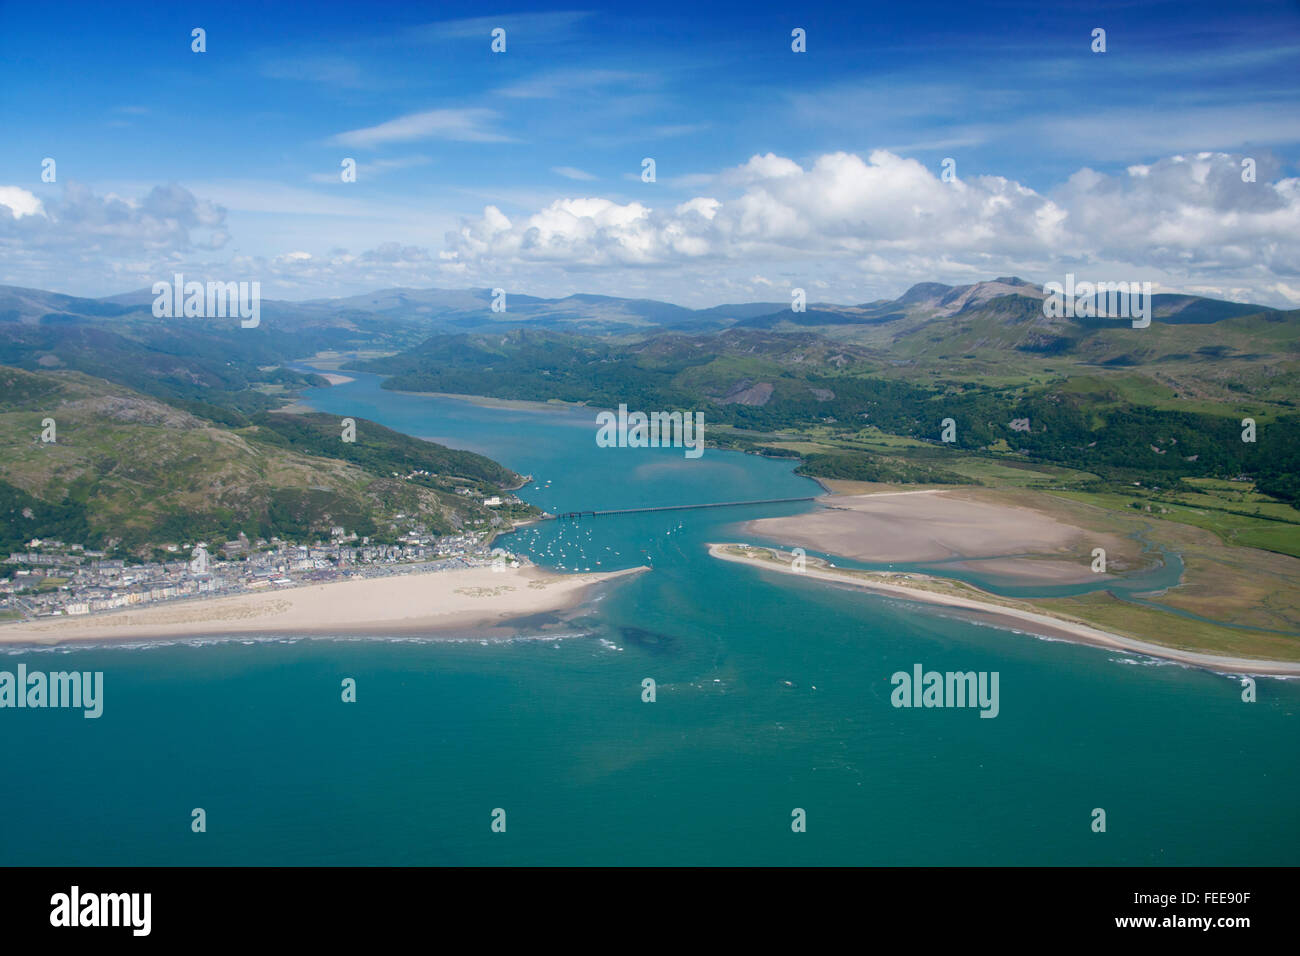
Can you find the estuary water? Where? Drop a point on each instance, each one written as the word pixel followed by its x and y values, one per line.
pixel 772 695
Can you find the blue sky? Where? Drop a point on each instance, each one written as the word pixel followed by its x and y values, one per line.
pixel 773 168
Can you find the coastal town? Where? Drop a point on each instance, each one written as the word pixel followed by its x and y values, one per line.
pixel 54 578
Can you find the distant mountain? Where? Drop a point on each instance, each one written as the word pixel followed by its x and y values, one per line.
pixel 1008 312
pixel 471 310
pixel 954 299
pixel 738 312
pixel 217 370
pixel 396 315
pixel 29 306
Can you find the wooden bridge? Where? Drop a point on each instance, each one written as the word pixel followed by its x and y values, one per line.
pixel 575 515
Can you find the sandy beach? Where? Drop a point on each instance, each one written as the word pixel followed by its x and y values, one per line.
pixel 934 591
pixel 488 401
pixel 472 599
pixel 954 526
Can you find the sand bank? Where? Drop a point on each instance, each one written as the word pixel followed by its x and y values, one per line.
pixel 917 587
pixel 461 600
pixel 955 526
pixel 487 401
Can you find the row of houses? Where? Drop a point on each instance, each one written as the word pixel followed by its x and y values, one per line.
pixel 58 580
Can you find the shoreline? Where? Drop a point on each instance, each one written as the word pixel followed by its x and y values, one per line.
pixel 1037 622
pixel 429 604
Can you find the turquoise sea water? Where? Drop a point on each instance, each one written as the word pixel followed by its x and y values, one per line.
pixel 773 693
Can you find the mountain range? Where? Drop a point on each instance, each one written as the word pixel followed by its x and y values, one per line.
pixel 467 310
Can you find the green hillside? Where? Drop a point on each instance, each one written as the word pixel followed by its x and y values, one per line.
pixel 130 471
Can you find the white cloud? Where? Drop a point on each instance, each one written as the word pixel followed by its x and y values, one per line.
pixel 81 222
pixel 20 202
pixel 471 125
pixel 759 168
pixel 1290 293
pixel 534 26
pixel 569 172
pixel 1191 212
pixel 1182 219
pixel 94 244
pixel 565 82
pixel 858 228
pixel 841 205
pixel 369 170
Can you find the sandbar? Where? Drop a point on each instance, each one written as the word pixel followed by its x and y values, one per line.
pixel 1013 615
pixel 963 528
